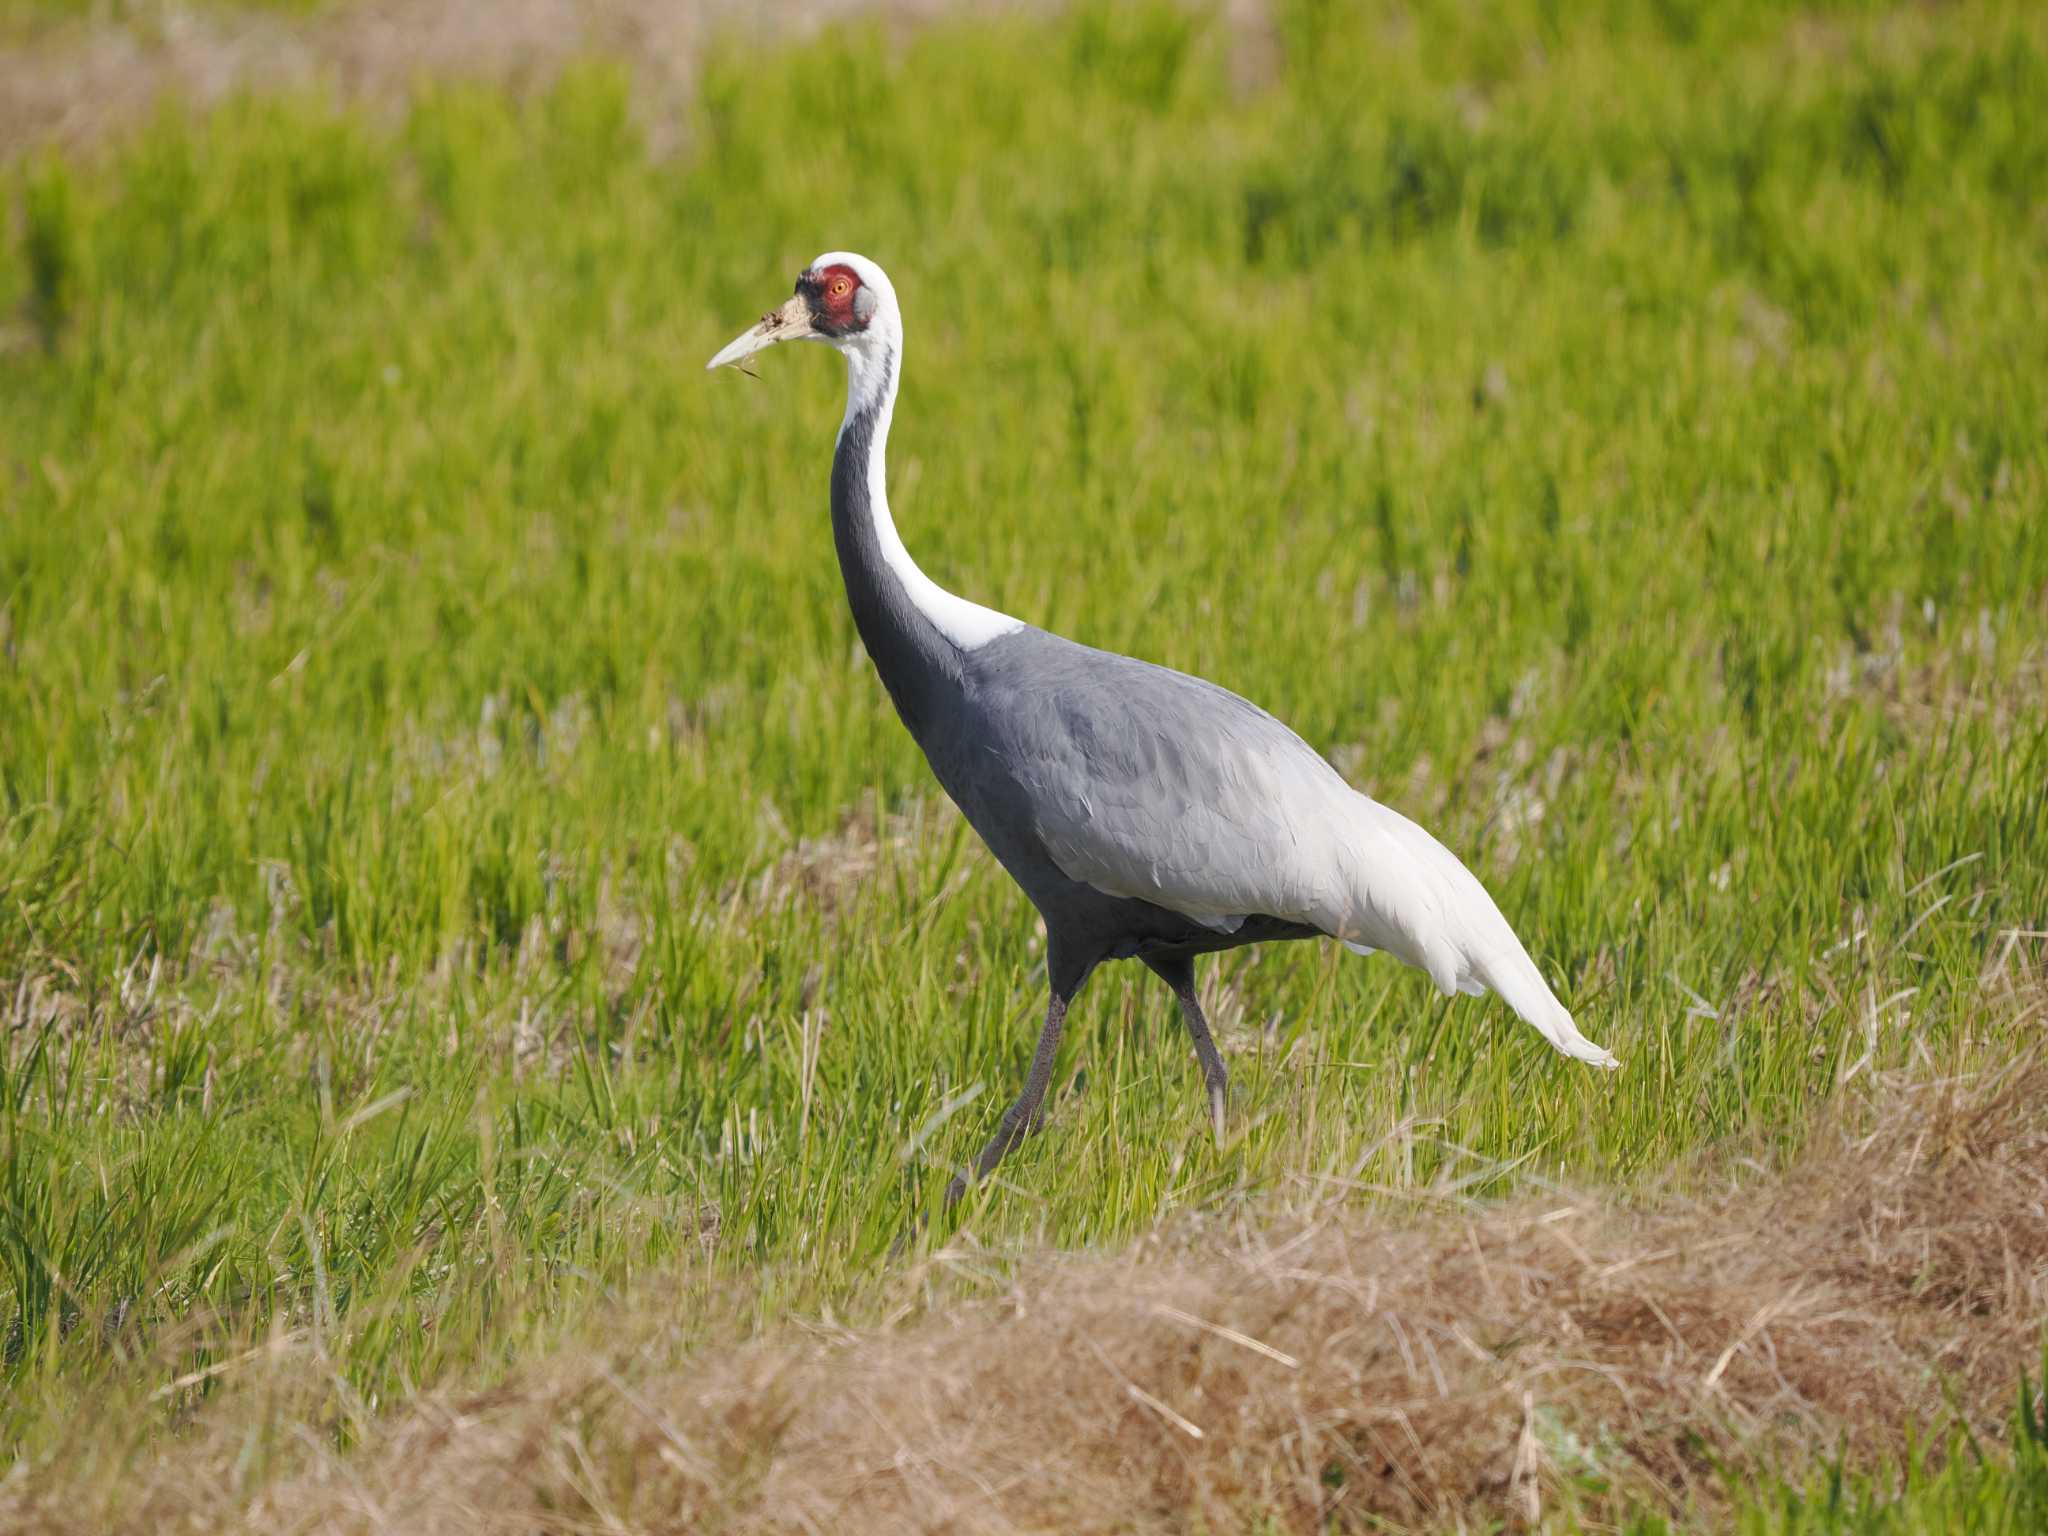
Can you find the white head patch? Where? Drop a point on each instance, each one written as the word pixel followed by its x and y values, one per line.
pixel 874 362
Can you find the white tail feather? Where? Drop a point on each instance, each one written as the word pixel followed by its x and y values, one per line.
pixel 1522 987
pixel 1414 899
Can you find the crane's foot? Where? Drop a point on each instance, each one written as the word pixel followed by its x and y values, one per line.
pixel 1028 1113
pixel 1178 972
pixel 909 1235
pixel 1021 1119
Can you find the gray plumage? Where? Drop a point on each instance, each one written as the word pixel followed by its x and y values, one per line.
pixel 1147 814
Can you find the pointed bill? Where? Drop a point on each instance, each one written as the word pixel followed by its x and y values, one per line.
pixel 792 322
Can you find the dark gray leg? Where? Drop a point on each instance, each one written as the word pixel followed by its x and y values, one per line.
pixel 1178 972
pixel 1022 1117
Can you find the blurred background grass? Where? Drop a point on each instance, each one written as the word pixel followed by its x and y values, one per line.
pixel 455 857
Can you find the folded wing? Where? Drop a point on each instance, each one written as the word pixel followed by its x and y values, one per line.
pixel 1150 784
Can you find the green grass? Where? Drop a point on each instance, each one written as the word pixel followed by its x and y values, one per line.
pixel 1961 1489
pixel 453 857
pixel 42 22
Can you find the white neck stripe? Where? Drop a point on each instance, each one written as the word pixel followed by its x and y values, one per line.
pixel 871 371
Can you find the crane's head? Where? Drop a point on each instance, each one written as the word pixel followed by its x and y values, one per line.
pixel 840 298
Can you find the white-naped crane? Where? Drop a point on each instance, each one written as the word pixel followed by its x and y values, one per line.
pixel 1148 815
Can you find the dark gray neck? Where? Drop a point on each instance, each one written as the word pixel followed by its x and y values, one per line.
pixel 916 662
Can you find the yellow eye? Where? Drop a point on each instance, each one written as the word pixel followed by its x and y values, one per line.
pixel 839 287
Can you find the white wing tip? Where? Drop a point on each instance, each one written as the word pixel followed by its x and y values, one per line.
pixel 1585 1050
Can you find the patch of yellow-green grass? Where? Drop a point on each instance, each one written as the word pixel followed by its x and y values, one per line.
pixel 454 859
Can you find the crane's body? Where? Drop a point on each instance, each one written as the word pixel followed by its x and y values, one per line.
pixel 1147 814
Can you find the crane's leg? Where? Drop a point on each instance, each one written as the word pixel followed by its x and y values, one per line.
pixel 1021 1118
pixel 1178 972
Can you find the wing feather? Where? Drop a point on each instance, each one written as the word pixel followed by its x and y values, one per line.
pixel 1147 783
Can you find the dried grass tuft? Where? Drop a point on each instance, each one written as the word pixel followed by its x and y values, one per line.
pixel 76 86
pixel 1457 1366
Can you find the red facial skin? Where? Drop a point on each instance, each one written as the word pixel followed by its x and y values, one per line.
pixel 832 299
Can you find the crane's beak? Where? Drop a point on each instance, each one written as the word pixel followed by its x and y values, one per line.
pixel 792 322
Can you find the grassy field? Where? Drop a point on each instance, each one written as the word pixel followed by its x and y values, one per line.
pixel 457 869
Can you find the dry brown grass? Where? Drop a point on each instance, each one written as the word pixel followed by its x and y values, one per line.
pixel 1454 1365
pixel 76 85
